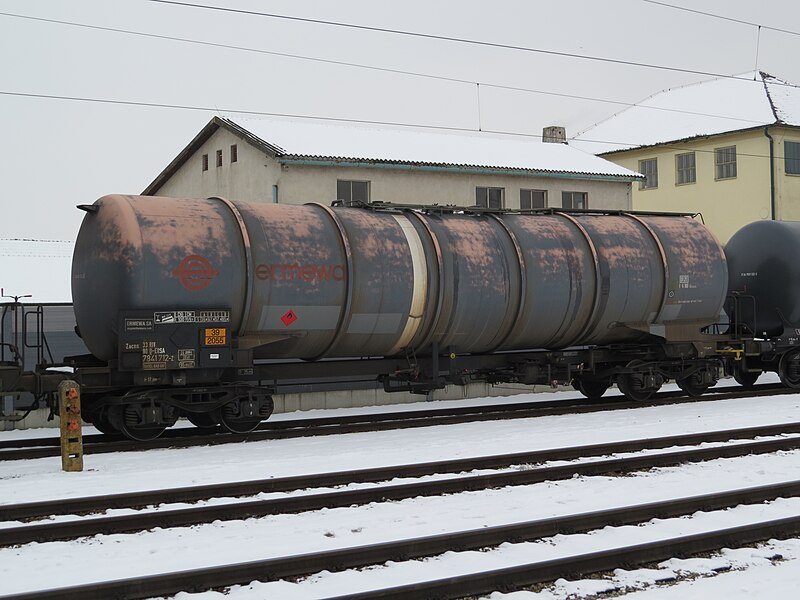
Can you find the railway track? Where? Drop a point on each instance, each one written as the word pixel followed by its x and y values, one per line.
pixel 27 449
pixel 63 530
pixel 506 579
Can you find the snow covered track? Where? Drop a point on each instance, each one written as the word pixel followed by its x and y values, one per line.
pixel 348 497
pixel 519 576
pixel 89 561
pixel 355 557
pixel 33 510
pixel 28 449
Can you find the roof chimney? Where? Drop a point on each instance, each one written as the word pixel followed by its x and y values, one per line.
pixel 554 135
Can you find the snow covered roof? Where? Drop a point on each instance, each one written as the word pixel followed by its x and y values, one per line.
pixel 414 146
pixel 324 142
pixel 710 107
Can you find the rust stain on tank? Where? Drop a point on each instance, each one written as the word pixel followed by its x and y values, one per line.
pixel 554 252
pixel 696 247
pixel 623 243
pixel 184 228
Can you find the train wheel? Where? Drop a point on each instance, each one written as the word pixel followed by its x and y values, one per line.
pixel 243 415
pixel 693 385
pixel 202 420
pixel 593 389
pixel 746 379
pixel 789 369
pixel 130 420
pixel 638 387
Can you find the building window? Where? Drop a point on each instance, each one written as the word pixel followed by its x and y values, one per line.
pixel 791 153
pixel 352 191
pixel 234 153
pixel 649 168
pixel 574 200
pixel 532 199
pixel 725 162
pixel 205 162
pixel 488 197
pixel 219 158
pixel 685 169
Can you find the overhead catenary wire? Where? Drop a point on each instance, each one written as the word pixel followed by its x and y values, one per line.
pixel 32 255
pixel 722 17
pixel 29 247
pixel 357 65
pixel 446 38
pixel 377 68
pixel 37 240
pixel 452 128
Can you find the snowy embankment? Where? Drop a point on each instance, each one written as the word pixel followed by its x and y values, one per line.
pixel 117 556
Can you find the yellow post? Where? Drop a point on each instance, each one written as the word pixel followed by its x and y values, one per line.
pixel 69 411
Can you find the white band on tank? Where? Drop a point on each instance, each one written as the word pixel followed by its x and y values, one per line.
pixel 420 290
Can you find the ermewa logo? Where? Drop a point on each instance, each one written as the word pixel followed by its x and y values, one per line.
pixel 195 273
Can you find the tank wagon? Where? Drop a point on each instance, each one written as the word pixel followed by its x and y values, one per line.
pixel 765 299
pixel 204 308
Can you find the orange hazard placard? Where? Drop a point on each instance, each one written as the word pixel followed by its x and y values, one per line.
pixel 216 336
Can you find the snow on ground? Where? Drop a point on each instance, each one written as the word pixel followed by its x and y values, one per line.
pixel 233 541
pixel 769 571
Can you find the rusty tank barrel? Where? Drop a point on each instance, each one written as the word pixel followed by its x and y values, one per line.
pixel 313 281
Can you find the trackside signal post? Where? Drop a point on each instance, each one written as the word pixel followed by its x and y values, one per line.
pixel 69 409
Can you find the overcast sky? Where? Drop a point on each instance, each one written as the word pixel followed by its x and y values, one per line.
pixel 57 153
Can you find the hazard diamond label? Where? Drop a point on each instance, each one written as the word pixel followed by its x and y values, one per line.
pixel 289 318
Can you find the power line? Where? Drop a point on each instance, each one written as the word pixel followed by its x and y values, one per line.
pixel 364 66
pixel 27 255
pixel 233 47
pixel 449 39
pixel 37 240
pixel 217 110
pixel 245 112
pixel 722 17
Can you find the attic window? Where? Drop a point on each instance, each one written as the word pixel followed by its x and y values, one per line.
pixel 205 162
pixel 219 158
pixel 234 153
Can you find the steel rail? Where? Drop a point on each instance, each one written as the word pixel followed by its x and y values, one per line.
pixel 307 423
pixel 519 576
pixel 101 444
pixel 53 531
pixel 90 504
pixel 271 569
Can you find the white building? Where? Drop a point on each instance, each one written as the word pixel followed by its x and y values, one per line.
pixel 297 162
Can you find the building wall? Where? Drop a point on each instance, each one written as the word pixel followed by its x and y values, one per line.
pixel 254 174
pixel 250 178
pixel 301 183
pixel 726 205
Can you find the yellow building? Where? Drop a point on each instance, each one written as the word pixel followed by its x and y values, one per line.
pixel 727 148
